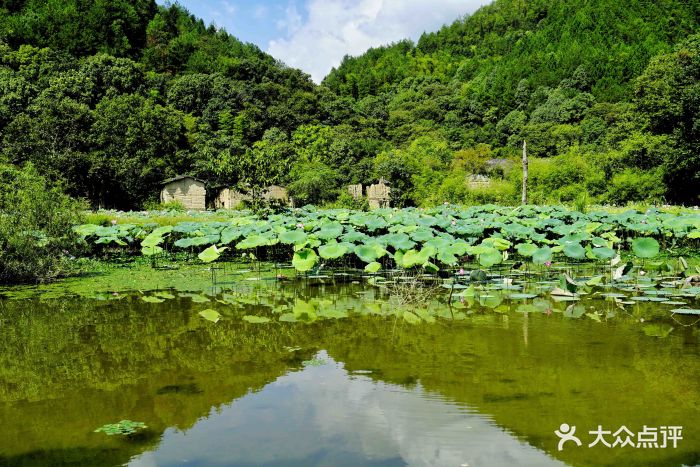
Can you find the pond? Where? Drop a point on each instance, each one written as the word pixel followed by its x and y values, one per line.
pixel 481 385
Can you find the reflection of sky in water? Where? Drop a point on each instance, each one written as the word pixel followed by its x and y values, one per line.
pixel 324 416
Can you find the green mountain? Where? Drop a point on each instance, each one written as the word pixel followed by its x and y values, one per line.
pixel 567 76
pixel 109 98
pixel 600 45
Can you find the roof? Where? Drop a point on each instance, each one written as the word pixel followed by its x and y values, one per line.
pixel 181 177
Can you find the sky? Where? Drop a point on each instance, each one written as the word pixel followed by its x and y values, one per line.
pixel 315 35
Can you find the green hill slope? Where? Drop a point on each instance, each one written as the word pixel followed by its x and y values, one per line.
pixel 107 98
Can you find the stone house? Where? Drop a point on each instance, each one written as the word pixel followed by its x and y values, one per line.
pixel 231 198
pixel 189 191
pixel 378 195
pixel 355 190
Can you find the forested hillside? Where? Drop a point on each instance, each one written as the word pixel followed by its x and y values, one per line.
pixel 109 98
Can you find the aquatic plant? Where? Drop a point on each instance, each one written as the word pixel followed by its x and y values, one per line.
pixel 124 427
pixel 442 238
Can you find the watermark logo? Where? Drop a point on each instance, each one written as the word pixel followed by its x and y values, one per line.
pixel 567 433
pixel 648 438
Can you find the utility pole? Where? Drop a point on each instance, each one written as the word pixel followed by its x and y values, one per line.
pixel 524 197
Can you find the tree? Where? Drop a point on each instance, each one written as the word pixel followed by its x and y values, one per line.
pixel 314 183
pixel 136 145
pixel 668 92
pixel 36 226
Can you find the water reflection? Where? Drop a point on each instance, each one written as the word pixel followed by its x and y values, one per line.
pixel 326 416
pixel 488 389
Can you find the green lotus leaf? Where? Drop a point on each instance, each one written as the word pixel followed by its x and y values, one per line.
pixel 574 250
pixel 645 247
pixel 369 252
pixel 410 318
pixel 330 231
pixel 111 239
pixel 422 235
pixel 373 267
pixel 151 250
pixel 196 241
pixel 490 257
pixel 458 248
pixel 686 311
pixel 596 280
pixel 160 231
pixel 230 234
pixel 293 236
pixel 542 255
pixel 354 237
pixel 413 258
pixel 333 250
pixel 599 242
pixel 210 315
pixel 254 241
pixel 521 296
pixel 151 240
pixel 85 230
pixel 498 243
pixel 304 260
pixel 603 253
pixel 400 241
pixel 526 249
pixel 211 254
pixel 446 257
pixel 151 299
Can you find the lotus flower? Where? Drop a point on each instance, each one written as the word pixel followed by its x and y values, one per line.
pixel 114 222
pixel 548 263
pixel 460 272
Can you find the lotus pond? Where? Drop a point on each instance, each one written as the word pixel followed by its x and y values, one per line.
pixel 342 338
pixel 342 369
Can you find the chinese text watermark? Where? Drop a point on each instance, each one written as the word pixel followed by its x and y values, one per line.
pixel 648 438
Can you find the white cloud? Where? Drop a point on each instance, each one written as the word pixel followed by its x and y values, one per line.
pixel 334 28
pixel 291 22
pixel 229 8
pixel 260 12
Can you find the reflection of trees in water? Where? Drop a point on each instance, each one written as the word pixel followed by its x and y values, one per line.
pixel 70 366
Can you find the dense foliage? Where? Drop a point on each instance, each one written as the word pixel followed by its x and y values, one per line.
pixel 36 220
pixel 596 88
pixel 445 237
pixel 109 98
pixel 112 113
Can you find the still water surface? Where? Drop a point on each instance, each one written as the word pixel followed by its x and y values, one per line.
pixel 488 390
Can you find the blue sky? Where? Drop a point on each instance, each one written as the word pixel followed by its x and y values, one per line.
pixel 314 35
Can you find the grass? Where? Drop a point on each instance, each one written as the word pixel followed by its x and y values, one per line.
pixel 106 218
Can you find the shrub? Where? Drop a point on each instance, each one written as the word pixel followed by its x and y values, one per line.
pixel 636 185
pixel 36 220
pixel 496 192
pixel 455 189
pixel 560 179
pixel 347 201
